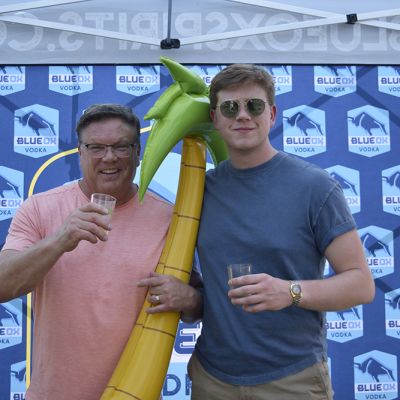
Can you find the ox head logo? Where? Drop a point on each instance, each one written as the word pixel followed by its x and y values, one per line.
pixel 393 179
pixel 303 123
pixel 367 123
pixel 374 369
pixel 150 69
pixel 344 183
pixel 353 311
pixel 339 70
pixel 75 69
pixel 36 122
pixel 395 68
pixel 20 375
pixel 279 70
pixel 5 70
pixel 7 315
pixel 394 302
pixel 372 244
pixel 7 185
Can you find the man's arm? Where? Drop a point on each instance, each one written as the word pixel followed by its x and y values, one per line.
pixel 21 271
pixel 175 295
pixel 352 285
pixel 194 309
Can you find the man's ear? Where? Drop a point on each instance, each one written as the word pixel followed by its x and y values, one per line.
pixel 212 114
pixel 137 149
pixel 273 115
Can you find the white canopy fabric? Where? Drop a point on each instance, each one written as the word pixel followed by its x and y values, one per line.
pixel 199 31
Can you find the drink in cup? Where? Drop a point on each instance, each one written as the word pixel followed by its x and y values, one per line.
pixel 105 200
pixel 236 270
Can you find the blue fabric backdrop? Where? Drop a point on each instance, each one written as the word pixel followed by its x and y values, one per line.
pixel 343 118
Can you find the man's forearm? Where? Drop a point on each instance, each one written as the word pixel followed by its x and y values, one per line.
pixel 193 310
pixel 22 271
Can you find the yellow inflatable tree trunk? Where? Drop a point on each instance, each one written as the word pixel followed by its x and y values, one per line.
pixel 181 112
pixel 141 370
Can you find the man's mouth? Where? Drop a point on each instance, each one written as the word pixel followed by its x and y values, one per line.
pixel 244 129
pixel 109 171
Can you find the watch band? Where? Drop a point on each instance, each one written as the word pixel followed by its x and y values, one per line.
pixel 295 292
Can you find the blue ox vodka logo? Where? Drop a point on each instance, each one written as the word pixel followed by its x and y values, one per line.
pixel 392 313
pixel 11 191
pixel 207 72
pixel 36 131
pixel 389 80
pixel 349 180
pixel 177 382
pixel 12 80
pixel 138 81
pixel 186 337
pixel 335 80
pixel 345 325
pixel 391 190
pixel 304 131
pixel 71 79
pixel 378 249
pixel 368 131
pixel 282 76
pixel 375 376
pixel 10 323
pixel 18 381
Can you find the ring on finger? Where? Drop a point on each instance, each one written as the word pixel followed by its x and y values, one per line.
pixel 157 298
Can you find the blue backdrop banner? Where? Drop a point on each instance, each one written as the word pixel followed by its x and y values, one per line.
pixel 344 118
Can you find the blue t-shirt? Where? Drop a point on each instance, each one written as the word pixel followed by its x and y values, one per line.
pixel 280 216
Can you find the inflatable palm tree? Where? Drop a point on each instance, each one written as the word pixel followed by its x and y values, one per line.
pixel 181 113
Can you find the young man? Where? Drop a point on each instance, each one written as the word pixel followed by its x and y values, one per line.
pixel 83 268
pixel 263 335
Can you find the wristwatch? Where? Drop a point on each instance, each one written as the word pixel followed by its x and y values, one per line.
pixel 295 292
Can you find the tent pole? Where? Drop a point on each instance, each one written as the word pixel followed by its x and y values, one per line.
pixel 168 42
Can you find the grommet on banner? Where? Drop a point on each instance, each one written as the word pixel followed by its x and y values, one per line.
pixel 351 18
pixel 169 43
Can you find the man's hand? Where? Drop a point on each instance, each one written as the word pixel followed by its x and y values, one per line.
pixel 90 222
pixel 167 293
pixel 259 292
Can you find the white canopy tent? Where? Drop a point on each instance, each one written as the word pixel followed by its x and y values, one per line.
pixel 199 32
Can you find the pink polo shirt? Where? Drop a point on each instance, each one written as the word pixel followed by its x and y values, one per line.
pixel 86 307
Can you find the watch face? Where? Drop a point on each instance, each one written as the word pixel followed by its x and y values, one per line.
pixel 296 289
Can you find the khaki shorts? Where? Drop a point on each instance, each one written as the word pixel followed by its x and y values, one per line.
pixel 312 383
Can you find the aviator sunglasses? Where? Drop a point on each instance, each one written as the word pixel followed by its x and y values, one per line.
pixel 230 108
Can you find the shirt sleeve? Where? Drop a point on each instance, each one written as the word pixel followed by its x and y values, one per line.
pixel 334 218
pixel 24 230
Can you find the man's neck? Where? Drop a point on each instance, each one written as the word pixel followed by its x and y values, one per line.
pixel 249 159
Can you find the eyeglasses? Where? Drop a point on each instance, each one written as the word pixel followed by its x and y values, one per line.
pixel 121 150
pixel 230 108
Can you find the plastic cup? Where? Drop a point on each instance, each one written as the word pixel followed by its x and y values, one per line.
pixel 104 200
pixel 236 270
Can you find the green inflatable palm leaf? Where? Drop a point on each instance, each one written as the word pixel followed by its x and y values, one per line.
pixel 182 110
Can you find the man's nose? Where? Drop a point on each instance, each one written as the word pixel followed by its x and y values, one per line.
pixel 243 112
pixel 109 153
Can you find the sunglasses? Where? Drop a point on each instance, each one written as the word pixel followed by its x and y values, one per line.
pixel 231 108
